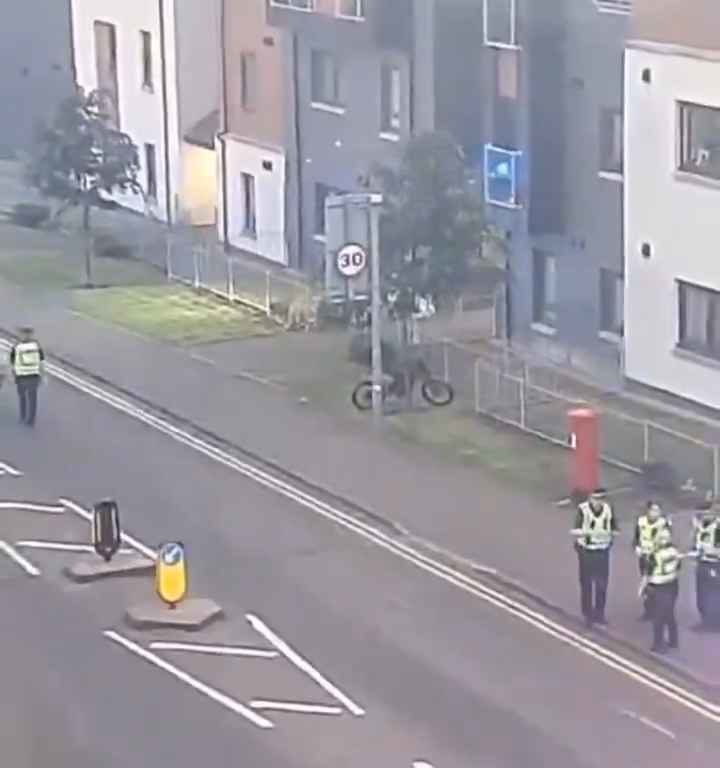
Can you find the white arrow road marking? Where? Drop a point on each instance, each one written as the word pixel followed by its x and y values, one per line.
pixel 29 506
pixel 212 693
pixel 215 650
pixel 61 546
pixel 296 707
pixel 495 597
pixel 303 665
pixel 16 557
pixel 646 721
pixel 8 469
pixel 138 546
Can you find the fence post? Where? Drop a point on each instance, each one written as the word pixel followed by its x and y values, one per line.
pixel 196 268
pixel 716 470
pixel 268 294
pixel 446 361
pixel 646 442
pixel 523 404
pixel 476 385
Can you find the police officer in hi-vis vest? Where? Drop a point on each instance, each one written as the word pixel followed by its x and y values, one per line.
pixel 706 547
pixel 662 584
pixel 26 361
pixel 595 527
pixel 647 527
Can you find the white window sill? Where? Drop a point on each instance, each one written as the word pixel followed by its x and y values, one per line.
pixel 499 204
pixel 501 46
pixel 284 7
pixel 696 357
pixel 611 337
pixel 545 330
pixel 611 176
pixel 320 238
pixel 695 178
pixel 332 109
pixel 389 136
pixel 347 17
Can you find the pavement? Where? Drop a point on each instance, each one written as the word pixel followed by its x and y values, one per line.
pixel 343 644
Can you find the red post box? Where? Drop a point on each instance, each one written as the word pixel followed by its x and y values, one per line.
pixel 584 450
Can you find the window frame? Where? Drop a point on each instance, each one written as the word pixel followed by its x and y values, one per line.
pixel 614 117
pixel 545 314
pixel 709 349
pixel 614 7
pixel 684 163
pixel 246 86
pixel 609 314
pixel 333 105
pixel 249 204
pixel 151 174
pixel 390 119
pixel 359 14
pixel 290 5
pixel 512 44
pixel 146 61
pixel 513 156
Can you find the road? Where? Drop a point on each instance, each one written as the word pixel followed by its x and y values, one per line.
pixel 392 661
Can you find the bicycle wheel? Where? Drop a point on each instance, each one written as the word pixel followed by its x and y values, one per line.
pixel 362 396
pixel 437 392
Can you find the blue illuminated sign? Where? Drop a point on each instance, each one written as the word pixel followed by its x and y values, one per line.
pixel 501 171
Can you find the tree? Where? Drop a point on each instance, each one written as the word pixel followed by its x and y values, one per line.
pixel 82 159
pixel 432 228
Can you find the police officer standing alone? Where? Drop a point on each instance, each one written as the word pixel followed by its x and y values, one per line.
pixel 663 571
pixel 648 525
pixel 26 361
pixel 595 526
pixel 706 547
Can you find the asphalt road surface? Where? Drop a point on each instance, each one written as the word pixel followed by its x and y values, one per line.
pixel 381 661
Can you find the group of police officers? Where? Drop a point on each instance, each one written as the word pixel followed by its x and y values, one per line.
pixel 659 563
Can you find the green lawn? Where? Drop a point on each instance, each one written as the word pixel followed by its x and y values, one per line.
pixel 171 313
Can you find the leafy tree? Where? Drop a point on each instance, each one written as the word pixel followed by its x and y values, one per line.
pixel 432 229
pixel 82 159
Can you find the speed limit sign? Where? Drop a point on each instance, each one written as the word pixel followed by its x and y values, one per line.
pixel 351 260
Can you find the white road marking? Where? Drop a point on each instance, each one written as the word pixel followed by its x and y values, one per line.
pixel 61 546
pixel 303 665
pixel 576 640
pixel 215 650
pixel 29 506
pixel 291 706
pixel 421 764
pixel 212 693
pixel 648 722
pixel 8 469
pixel 15 556
pixel 138 546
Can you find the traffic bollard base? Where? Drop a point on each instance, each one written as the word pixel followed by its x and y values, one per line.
pixel 190 615
pixel 93 568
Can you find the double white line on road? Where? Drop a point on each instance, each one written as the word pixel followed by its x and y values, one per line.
pixel 609 658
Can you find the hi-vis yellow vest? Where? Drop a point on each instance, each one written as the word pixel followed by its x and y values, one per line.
pixel 705 540
pixel 596 528
pixel 649 530
pixel 27 359
pixel 667 565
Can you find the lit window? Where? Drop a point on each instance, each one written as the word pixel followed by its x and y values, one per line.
pixel 699 140
pixel 501 176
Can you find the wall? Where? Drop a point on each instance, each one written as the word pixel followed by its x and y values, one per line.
pixel 677 216
pixel 35 68
pixel 693 23
pixel 141 111
pixel 244 157
pixel 199 184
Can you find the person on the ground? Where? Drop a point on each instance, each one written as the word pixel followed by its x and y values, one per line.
pixel 706 548
pixel 663 571
pixel 647 527
pixel 595 527
pixel 26 362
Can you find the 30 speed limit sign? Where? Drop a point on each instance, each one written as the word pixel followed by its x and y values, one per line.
pixel 351 260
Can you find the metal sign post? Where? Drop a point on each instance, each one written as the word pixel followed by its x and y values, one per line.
pixel 376 309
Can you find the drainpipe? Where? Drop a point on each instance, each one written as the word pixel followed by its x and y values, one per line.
pixel 73 61
pixel 298 146
pixel 166 119
pixel 224 126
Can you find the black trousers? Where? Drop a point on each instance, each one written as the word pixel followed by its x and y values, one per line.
pixel 643 567
pixel 27 389
pixel 705 586
pixel 594 567
pixel 664 597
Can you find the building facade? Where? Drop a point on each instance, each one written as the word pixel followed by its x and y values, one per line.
pixel 159 60
pixel 672 198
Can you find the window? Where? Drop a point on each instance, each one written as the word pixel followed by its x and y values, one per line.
pixel 699 319
pixel 611 141
pixel 614 6
pixel 544 289
pixel 325 84
pixel 147 67
pixel 247 182
pixel 150 172
pixel 700 140
pixel 322 191
pixel 499 23
pixel 106 66
pixel 248 81
pixel 351 9
pixel 300 5
pixel 390 98
pixel 501 176
pixel 612 302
